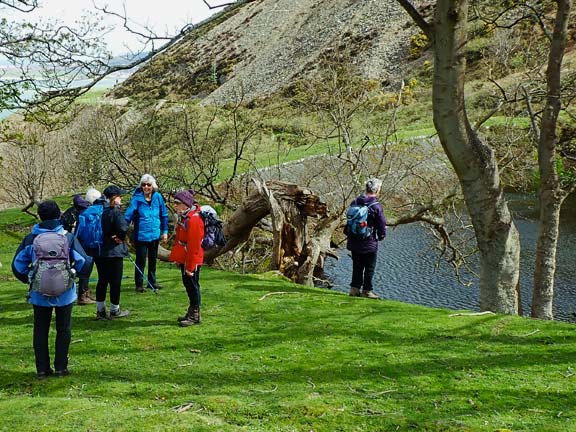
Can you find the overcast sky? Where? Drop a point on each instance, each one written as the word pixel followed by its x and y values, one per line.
pixel 164 16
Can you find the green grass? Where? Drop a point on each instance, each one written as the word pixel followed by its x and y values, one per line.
pixel 301 360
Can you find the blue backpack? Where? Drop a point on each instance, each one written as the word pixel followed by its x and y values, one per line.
pixel 89 229
pixel 357 220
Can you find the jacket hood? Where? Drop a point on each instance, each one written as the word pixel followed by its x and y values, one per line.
pixel 100 201
pixel 80 203
pixel 365 200
pixel 138 194
pixel 52 225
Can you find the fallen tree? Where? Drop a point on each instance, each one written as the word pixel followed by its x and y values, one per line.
pixel 300 225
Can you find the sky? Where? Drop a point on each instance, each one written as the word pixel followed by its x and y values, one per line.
pixel 164 16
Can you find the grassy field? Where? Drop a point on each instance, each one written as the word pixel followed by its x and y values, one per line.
pixel 274 356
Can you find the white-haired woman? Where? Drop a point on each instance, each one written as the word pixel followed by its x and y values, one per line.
pixel 148 212
pixel 365 250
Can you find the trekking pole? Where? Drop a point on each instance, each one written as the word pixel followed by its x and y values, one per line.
pixel 148 284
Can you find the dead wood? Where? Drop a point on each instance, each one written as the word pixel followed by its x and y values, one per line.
pixel 300 224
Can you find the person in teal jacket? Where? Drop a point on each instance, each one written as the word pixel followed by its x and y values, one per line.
pixel 22 266
pixel 149 214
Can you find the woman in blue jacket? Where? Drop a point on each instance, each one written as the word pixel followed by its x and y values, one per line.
pixel 148 212
pixel 22 267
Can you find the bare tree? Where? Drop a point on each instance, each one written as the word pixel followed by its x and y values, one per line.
pixel 473 160
pixel 26 165
pixel 552 191
pixel 57 63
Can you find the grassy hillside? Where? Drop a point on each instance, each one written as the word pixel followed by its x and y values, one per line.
pixel 274 356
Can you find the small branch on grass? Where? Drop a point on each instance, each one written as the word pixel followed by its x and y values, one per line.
pixel 277 293
pixel 77 341
pixel 309 381
pixel 472 314
pixel 371 413
pixel 530 334
pixel 267 391
pixel 186 407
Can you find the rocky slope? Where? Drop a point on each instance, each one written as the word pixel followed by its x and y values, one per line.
pixel 259 46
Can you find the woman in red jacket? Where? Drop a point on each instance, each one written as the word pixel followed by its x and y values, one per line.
pixel 187 252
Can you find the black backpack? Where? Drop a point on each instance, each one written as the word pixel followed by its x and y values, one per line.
pixel 69 219
pixel 213 232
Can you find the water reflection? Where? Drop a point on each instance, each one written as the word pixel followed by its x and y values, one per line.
pixel 407 265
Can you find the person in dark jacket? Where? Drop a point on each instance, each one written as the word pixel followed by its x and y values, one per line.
pixel 365 251
pixel 148 212
pixel 22 266
pixel 69 220
pixel 110 261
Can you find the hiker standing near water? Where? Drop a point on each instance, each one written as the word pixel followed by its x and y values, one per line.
pixel 364 245
pixel 110 261
pixel 187 252
pixel 148 212
pixel 47 259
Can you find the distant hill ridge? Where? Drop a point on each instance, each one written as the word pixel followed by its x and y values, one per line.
pixel 260 46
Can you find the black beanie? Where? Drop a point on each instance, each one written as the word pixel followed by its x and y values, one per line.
pixel 48 210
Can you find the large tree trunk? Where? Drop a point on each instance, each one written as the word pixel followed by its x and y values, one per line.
pixel 551 193
pixel 474 163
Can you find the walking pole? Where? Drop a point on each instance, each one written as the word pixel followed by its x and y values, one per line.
pixel 148 284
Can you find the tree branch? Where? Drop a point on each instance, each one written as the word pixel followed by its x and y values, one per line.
pixel 426 27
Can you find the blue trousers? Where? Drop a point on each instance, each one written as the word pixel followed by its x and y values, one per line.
pixel 363 267
pixel 143 249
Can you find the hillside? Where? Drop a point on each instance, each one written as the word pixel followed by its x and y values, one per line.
pixel 259 46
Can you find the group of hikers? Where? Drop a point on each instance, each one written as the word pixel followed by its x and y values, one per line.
pixel 93 231
pixel 63 247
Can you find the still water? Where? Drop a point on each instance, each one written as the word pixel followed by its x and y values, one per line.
pixel 407 270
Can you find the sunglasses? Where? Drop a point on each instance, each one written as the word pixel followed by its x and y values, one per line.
pixel 147 184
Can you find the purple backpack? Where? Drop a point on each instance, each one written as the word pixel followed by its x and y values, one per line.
pixel 51 273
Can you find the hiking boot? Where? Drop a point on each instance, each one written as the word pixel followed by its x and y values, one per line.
pixel 101 315
pixel 188 322
pixel 192 318
pixel 354 292
pixel 187 315
pixel 44 374
pixel 139 288
pixel 370 295
pixel 84 299
pixel 120 313
pixel 62 373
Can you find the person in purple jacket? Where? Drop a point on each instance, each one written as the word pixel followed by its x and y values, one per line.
pixel 365 251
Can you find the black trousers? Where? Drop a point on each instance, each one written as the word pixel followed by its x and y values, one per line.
pixel 192 285
pixel 363 267
pixel 143 249
pixel 42 319
pixel 110 272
